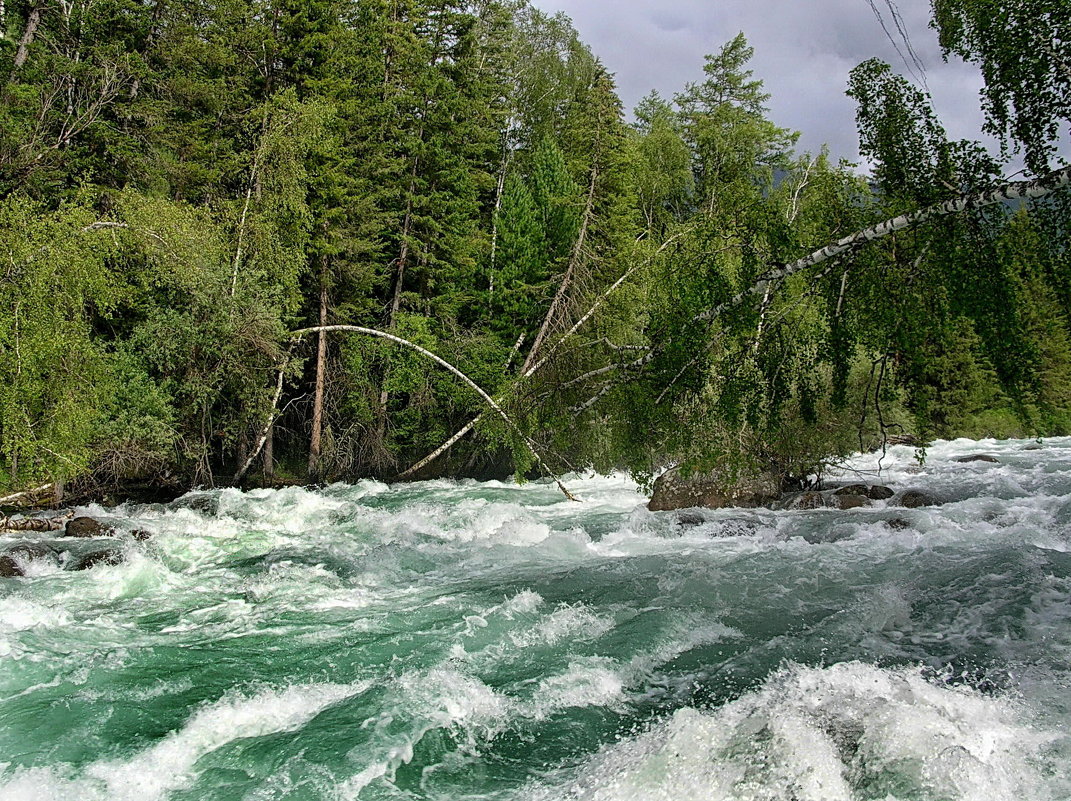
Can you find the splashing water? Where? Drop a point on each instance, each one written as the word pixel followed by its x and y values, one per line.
pixel 463 640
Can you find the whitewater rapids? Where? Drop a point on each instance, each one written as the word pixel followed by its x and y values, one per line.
pixel 460 640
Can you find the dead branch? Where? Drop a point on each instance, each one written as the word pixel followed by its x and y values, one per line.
pixel 271 420
pixel 35 523
pixel 26 495
pixel 431 457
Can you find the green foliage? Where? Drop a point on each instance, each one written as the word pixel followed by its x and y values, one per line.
pixel 183 183
pixel 1021 48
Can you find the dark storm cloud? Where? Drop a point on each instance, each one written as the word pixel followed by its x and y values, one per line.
pixel 804 50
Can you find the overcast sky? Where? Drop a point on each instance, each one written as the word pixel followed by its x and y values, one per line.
pixel 804 50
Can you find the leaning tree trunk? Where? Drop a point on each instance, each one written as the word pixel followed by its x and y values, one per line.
pixel 575 257
pixel 318 397
pixel 29 33
pixel 534 368
pixel 356 329
pixel 1015 190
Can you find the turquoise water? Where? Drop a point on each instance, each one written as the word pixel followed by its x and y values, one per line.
pixel 461 640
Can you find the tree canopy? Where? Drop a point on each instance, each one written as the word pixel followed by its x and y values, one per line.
pixel 185 185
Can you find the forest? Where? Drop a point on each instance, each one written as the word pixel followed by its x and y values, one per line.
pixel 262 241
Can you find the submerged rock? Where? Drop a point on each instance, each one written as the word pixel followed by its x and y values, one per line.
pixel 14 557
pixel 85 527
pixel 204 503
pixel 850 501
pixel 689 518
pixel 713 490
pixel 978 457
pixel 105 556
pixel 879 492
pixel 809 500
pixel 9 568
pixel 32 550
pixel 852 489
pixel 898 523
pixel 913 499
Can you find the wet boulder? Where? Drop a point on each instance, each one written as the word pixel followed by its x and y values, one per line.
pixel 906 439
pixel 978 457
pixel 713 489
pixel 690 517
pixel 873 492
pixel 9 567
pixel 29 549
pixel 809 500
pixel 879 492
pixel 850 501
pixel 851 489
pixel 103 556
pixel 913 499
pixel 898 523
pixel 82 527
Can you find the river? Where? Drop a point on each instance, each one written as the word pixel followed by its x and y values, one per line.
pixel 464 640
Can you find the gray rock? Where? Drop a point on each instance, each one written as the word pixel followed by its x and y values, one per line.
pixel 879 493
pixel 906 439
pixel 898 523
pixel 105 556
pixel 713 490
pixel 809 500
pixel 85 527
pixel 851 489
pixel 29 549
pixel 9 568
pixel 203 502
pixel 689 518
pixel 978 457
pixel 850 501
pixel 913 499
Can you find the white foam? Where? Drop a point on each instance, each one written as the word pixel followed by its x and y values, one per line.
pixel 20 614
pixel 591 682
pixel 169 764
pixel 822 734
pixel 567 622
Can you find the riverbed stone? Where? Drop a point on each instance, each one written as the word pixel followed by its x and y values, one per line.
pixel 850 501
pixel 713 489
pixel 914 498
pixel 85 527
pixel 104 556
pixel 879 492
pixel 851 489
pixel 978 457
pixel 29 549
pixel 809 500
pixel 9 568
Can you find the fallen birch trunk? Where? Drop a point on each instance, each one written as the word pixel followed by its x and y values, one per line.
pixel 356 329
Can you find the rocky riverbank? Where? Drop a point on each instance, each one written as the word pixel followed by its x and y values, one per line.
pixel 721 489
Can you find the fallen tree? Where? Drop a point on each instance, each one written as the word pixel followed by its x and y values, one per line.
pixel 373 332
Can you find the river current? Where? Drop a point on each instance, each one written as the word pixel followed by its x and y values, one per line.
pixel 463 640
